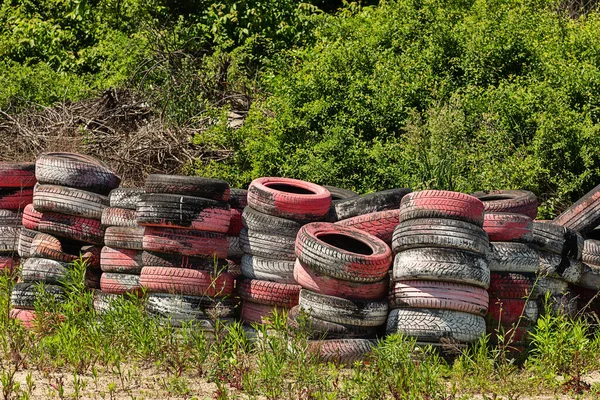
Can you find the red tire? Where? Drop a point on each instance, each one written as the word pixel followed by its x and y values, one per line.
pixel 125 238
pixel 15 199
pixel 441 204
pixel 235 225
pixel 323 284
pixel 186 281
pixel 440 295
pixel 512 335
pixel 120 284
pixel 122 261
pixel 255 313
pixel 343 253
pixel 17 175
pixel 71 227
pixel 8 263
pixel 289 198
pixel 509 286
pixel 507 227
pixel 269 293
pixel 509 201
pixel 186 242
pixel 195 186
pixel 47 246
pixel 507 312
pixel 25 317
pixel 31 217
pixel 380 224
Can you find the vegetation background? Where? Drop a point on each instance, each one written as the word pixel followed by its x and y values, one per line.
pixel 449 94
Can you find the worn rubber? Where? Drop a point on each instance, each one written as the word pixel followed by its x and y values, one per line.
pixel 591 252
pixel 342 351
pixel 44 270
pixel 316 328
pixel 112 216
pixel 268 293
pixel 181 310
pixel 235 251
pixel 120 283
pixel 380 224
pixel 71 227
pixel 183 212
pixel 9 240
pixel 366 204
pixel 186 282
pixel 126 198
pixel 508 227
pixel 343 311
pixel 235 222
pixel 9 263
pixel 125 238
pixel 10 218
pixel 323 284
pixel 31 217
pixel 27 318
pixel 438 232
pixel 441 204
pixel 238 198
pixel 513 257
pixel 267 269
pixel 25 239
pixel 507 312
pixel 215 189
pixel 266 245
pixel 17 175
pixel 121 261
pixel 15 199
pixel 430 325
pixel 558 239
pixel 584 215
pixel 343 253
pixel 340 193
pixel 24 294
pixel 64 200
pixel 509 286
pixel 439 295
pixel 154 259
pixel 562 304
pixel 558 267
pixel 439 264
pixel 255 313
pixel 76 171
pixel 509 201
pixel 289 198
pixel 44 245
pixel 590 278
pixel 553 286
pixel 264 223
pixel 186 242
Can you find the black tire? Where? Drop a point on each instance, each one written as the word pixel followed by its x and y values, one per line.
pixel 9 239
pixel 44 270
pixel 365 204
pixel 265 223
pixel 584 215
pixel 215 189
pixel 343 311
pixel 268 245
pixel 10 218
pixel 117 283
pixel 558 267
pixel 591 252
pixel 510 201
pixel 564 304
pixel 126 198
pixel 590 278
pixel 112 216
pixel 341 351
pixel 439 232
pixel 266 269
pixel 202 311
pixel 26 237
pixel 550 285
pixel 317 328
pixel 24 294
pixel 64 200
pixel 124 238
pixel 429 325
pixel 153 259
pixel 558 239
pixel 235 249
pixel 513 257
pixel 103 302
pixel 438 264
pixel 76 171
pixel 238 198
pixel 339 193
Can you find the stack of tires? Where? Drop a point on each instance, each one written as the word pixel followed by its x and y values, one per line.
pixel 344 275
pixel 185 245
pixel 440 274
pixel 121 259
pixel 277 209
pixel 238 200
pixel 16 183
pixel 61 226
pixel 513 262
pixel 588 287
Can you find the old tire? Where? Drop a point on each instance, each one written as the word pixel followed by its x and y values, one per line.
pixel 186 242
pixel 591 252
pixel 340 193
pixel 17 175
pixel 15 199
pixel 9 239
pixel 267 269
pixel 126 198
pixel 257 221
pixel 44 270
pixel 555 266
pixel 317 328
pixel 441 204
pixel 238 198
pixel 267 245
pixel 188 282
pixel 44 245
pixel 124 238
pixel 558 239
pixel 10 218
pixel 366 204
pixel 114 283
pixel 24 294
pixel 121 261
pixel 510 201
pixel 584 215
pixel 64 200
pixel 507 312
pixel 509 286
pixel 189 309
pixel 154 259
pixel 343 351
pixel 122 217
pixel 380 224
pixel 215 189
pixel 268 293
pixel 513 257
pixel 507 227
pixel 70 227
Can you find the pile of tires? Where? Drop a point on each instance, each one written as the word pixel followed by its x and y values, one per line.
pixel 121 258
pixel 514 262
pixel 344 275
pixel 61 226
pixel 277 209
pixel 588 287
pixel 185 244
pixel 440 275
pixel 238 200
pixel 16 191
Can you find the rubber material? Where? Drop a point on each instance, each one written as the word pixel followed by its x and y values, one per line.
pixel 590 278
pixel 513 257
pixel 31 217
pixel 267 245
pixel 76 171
pixel 186 242
pixel 120 283
pixel 554 266
pixel 9 239
pixel 15 199
pixel 366 204
pixel 8 264
pixel 17 175
pixel 186 309
pixel 441 204
pixel 436 325
pixel 340 193
pixel 560 305
pixel 125 238
pixel 264 223
pixel 238 198
pixel 27 318
pixel 10 218
pixel 71 227
pixel 508 312
pixel 558 239
pixel 584 215
pixel 266 269
pixel 126 198
pixel 439 264
pixel 316 328
pixel 554 286
pixel 44 245
pixel 323 284
pixel 235 222
pixel 25 239
pixel 255 313
pixel 121 261
pixel 509 286
pixel 380 224
pixel 24 294
pixel 64 200
pixel 343 253
pixel 507 227
pixel 437 232
pixel 510 201
pixel 123 217
pixel 343 351
pixel 235 248
pixel 268 293
pixel 154 259
pixel 44 270
pixel 215 189
pixel 186 282
pixel 591 252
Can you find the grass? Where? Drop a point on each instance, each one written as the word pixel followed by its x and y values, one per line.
pixel 123 353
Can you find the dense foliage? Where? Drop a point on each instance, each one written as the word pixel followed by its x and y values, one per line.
pixel 458 94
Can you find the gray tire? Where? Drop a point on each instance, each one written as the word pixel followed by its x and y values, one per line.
pixel 590 278
pixel 44 270
pixel 24 294
pixel 202 311
pixel 112 216
pixel 65 200
pixel 124 238
pixel 343 351
pixel 365 204
pixel 265 223
pixel 513 257
pixel 26 237
pixel 266 269
pixel 558 267
pixel 544 285
pixel 235 249
pixel 125 197
pixel 268 245
pixel 11 218
pixel 9 239
pixel 558 240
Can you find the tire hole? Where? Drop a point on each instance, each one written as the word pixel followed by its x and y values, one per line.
pixel 345 242
pixel 284 187
pixel 494 197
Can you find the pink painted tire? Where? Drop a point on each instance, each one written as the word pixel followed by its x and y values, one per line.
pixel 235 224
pixel 31 217
pixel 44 245
pixel 440 295
pixel 25 317
pixel 17 175
pixel 343 351
pixel 441 204
pixel 323 284
pixel 15 198
pixel 120 283
pixel 343 253
pixel 186 242
pixel 122 261
pixel 289 198
pixel 256 313
pixel 67 226
pixel 508 227
pixel 8 263
pixel 380 224
pixel 510 201
pixel 268 293
pixel 189 282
